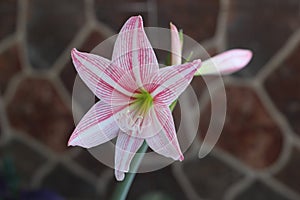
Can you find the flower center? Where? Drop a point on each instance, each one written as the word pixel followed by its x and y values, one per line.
pixel 136 118
pixel 142 102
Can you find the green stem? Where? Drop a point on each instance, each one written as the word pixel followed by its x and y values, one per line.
pixel 123 187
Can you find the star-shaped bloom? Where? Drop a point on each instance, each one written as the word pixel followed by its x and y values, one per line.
pixel 135 98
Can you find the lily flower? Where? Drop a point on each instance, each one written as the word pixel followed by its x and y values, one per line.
pixel 135 98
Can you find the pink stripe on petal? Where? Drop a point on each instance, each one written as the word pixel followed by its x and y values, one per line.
pixel 165 142
pixel 96 127
pixel 126 147
pixel 175 46
pixel 100 76
pixel 226 63
pixel 172 81
pixel 133 51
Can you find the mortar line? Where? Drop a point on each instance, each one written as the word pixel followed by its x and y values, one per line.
pixel 221 31
pixel 89 10
pixel 64 57
pixel 77 169
pixel 282 124
pixel 183 182
pixel 42 172
pixel 286 149
pixel 275 113
pixel 7 42
pixel 22 37
pixel 279 187
pixel 53 158
pixel 239 187
pixel 277 59
pixel 5 136
pixel 22 11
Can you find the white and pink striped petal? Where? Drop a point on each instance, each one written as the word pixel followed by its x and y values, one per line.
pixel 225 63
pixel 102 77
pixel 165 142
pixel 126 147
pixel 96 127
pixel 172 81
pixel 134 53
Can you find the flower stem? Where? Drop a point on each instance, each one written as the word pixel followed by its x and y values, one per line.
pixel 123 187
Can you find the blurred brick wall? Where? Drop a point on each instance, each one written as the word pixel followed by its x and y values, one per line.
pixel 257 156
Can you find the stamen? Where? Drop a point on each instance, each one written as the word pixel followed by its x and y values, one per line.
pixel 132 119
pixel 127 123
pixel 137 125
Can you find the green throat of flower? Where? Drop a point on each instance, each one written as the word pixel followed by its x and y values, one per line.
pixel 143 102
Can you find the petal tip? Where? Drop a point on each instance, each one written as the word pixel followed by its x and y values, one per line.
pixel 74 53
pixel 249 54
pixel 173 27
pixel 119 175
pixel 245 56
pixel 137 18
pixel 181 158
pixel 234 60
pixel 72 142
pixel 242 52
pixel 197 62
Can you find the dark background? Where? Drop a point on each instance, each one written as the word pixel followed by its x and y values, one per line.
pixel 257 156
